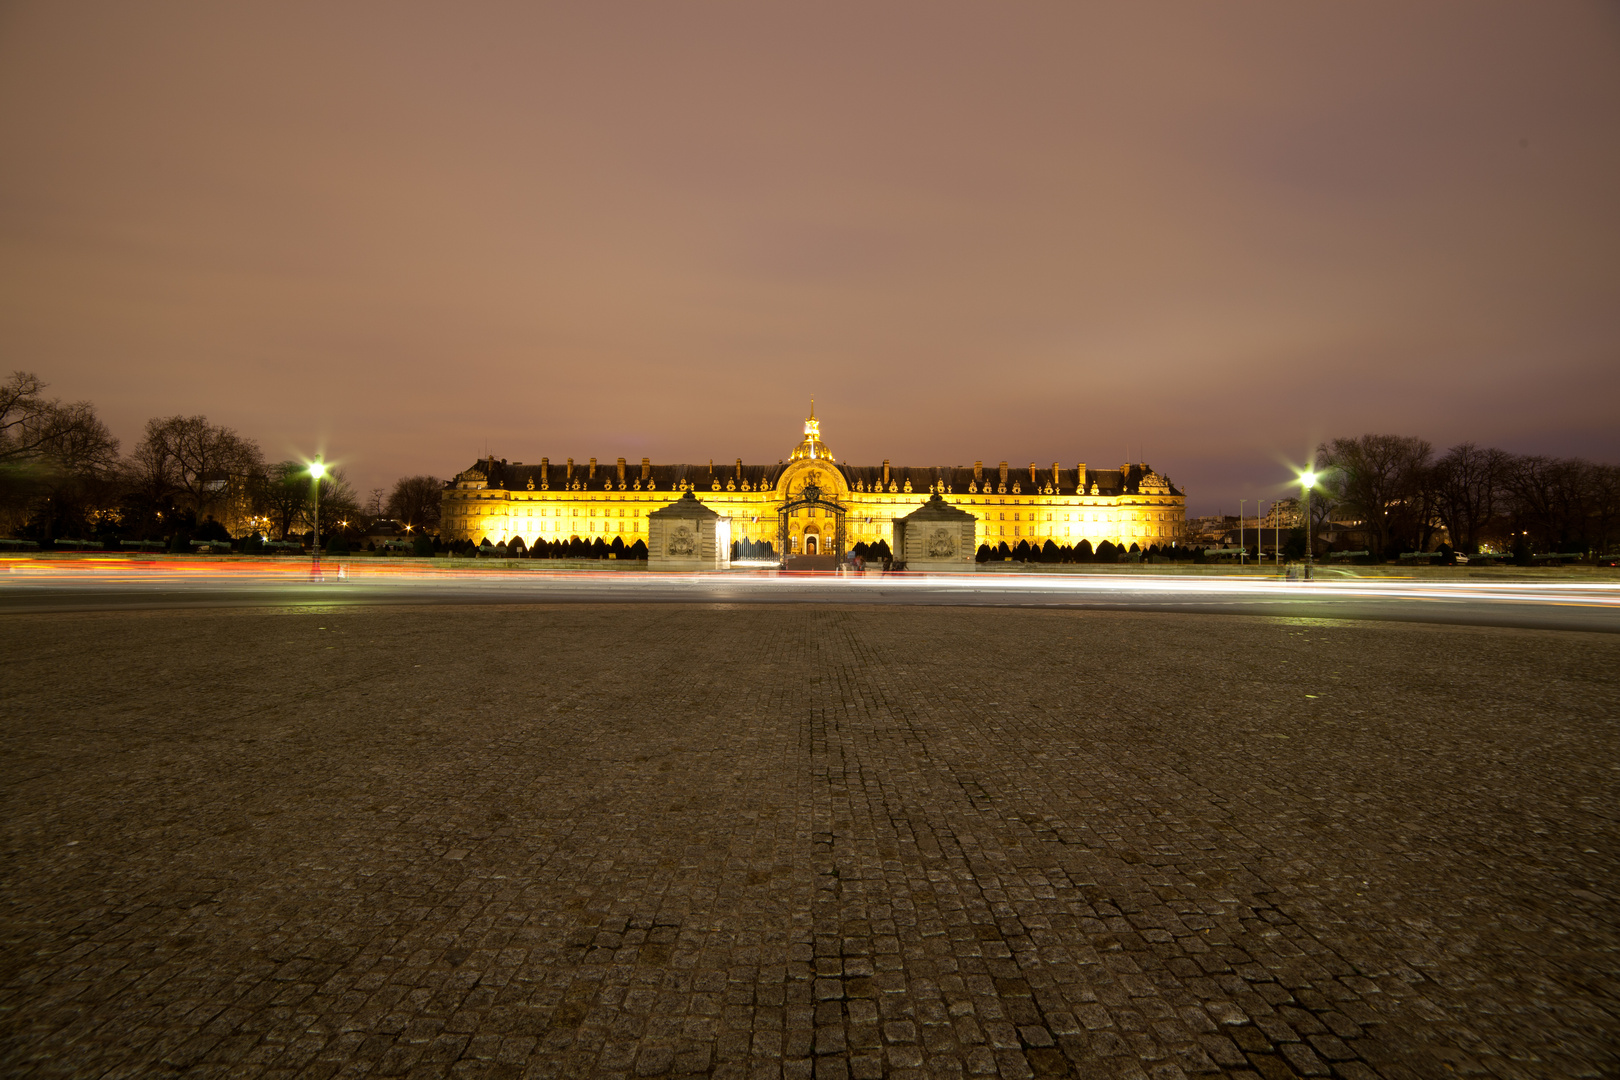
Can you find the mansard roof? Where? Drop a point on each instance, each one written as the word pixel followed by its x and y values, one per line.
pixel 959 481
pixel 623 475
pixel 515 476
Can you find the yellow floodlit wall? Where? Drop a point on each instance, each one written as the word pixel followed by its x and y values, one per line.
pixel 499 501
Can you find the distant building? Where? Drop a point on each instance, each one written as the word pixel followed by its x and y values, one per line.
pixel 1284 514
pixel 1210 530
pixel 812 503
pixel 1343 535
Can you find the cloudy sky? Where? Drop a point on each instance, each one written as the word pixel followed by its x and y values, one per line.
pixel 1203 235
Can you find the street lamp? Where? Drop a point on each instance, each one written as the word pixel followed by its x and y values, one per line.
pixel 317 469
pixel 1308 480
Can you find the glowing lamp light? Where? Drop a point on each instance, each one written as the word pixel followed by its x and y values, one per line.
pixel 1308 479
pixel 317 469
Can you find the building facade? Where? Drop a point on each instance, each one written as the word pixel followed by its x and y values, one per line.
pixel 803 504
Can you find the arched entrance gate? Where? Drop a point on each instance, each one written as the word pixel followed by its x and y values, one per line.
pixel 811 497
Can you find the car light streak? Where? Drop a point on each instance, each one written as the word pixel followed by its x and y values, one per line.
pixel 120 572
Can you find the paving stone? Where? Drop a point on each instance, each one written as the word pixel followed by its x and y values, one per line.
pixel 803 842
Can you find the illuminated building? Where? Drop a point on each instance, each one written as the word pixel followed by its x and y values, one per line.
pixel 807 499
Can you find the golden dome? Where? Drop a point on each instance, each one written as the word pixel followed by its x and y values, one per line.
pixel 812 447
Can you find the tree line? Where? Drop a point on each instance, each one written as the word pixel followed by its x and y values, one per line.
pixel 62 477
pixel 1405 497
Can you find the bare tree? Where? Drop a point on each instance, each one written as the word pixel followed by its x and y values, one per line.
pixel 200 459
pixel 35 429
pixel 1379 478
pixel 282 494
pixel 339 502
pixel 1324 504
pixel 415 502
pixel 1562 504
pixel 53 457
pixel 1604 486
pixel 1537 486
pixel 285 493
pixel 1467 487
pixel 21 401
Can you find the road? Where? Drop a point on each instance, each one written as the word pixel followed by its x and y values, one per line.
pixel 115 584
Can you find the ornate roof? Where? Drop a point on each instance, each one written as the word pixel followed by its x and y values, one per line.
pixel 812 447
pixel 861 479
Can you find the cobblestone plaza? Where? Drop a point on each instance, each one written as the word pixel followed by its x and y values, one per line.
pixel 765 841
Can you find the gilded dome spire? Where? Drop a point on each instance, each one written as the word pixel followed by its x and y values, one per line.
pixel 812 447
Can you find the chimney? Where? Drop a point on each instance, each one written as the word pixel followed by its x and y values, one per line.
pixel 1080 478
pixel 1032 479
pixel 570 470
pixel 621 470
pixel 646 468
pixel 885 472
pixel 978 471
pixel 545 470
pixel 1003 474
pixel 593 469
pixel 739 468
pixel 1057 475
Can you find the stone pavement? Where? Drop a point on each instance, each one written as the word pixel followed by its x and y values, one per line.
pixel 762 842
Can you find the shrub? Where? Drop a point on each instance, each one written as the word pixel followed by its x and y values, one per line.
pixel 210 529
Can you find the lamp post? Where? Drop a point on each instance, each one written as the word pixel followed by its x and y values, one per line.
pixel 1308 480
pixel 317 469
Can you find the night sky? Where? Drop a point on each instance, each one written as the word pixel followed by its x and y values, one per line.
pixel 1207 235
